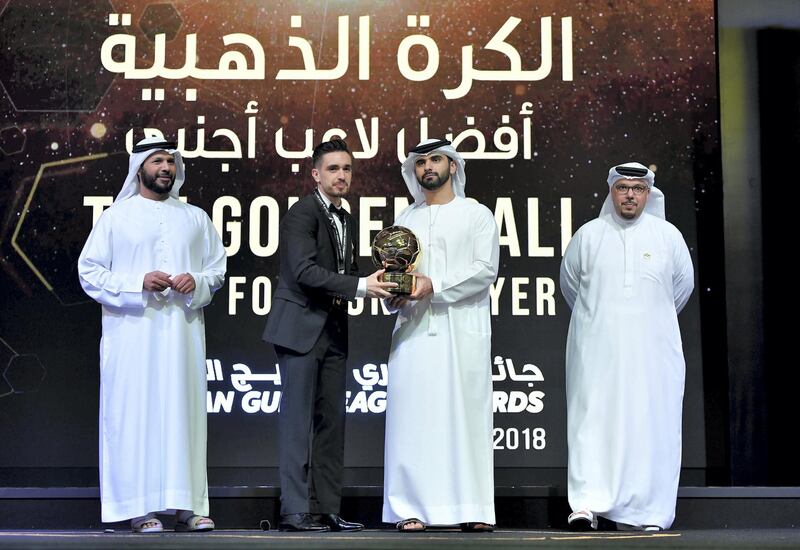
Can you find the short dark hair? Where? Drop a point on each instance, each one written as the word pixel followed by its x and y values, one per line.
pixel 326 147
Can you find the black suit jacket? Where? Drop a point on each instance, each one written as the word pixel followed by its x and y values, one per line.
pixel 309 280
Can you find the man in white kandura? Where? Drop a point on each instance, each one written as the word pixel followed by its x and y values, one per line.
pixel 438 466
pixel 626 275
pixel 153 263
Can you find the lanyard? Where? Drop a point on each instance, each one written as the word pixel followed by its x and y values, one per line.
pixel 339 239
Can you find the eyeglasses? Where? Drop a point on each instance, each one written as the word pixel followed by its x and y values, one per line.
pixel 623 189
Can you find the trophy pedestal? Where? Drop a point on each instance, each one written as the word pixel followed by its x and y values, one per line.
pixel 406 282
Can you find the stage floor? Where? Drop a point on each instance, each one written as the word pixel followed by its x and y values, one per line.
pixel 710 538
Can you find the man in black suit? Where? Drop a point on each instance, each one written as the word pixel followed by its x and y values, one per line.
pixel 308 327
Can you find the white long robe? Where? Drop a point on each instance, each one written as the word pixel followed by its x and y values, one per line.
pixel 152 354
pixel 626 283
pixel 438 464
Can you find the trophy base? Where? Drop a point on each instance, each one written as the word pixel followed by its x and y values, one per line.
pixel 406 283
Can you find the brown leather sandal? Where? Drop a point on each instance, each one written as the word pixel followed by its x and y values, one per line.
pixel 402 525
pixel 146 524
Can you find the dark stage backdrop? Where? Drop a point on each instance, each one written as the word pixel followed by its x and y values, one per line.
pixel 540 96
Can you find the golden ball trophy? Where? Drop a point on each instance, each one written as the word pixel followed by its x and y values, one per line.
pixel 396 249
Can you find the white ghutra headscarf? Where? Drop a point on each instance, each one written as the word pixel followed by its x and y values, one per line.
pixel 425 148
pixel 635 171
pixel 141 152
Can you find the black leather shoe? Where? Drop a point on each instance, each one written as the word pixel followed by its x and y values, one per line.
pixel 301 522
pixel 335 523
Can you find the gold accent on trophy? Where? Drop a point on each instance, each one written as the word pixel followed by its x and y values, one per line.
pixel 396 249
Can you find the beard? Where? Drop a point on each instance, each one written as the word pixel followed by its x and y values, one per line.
pixel 151 183
pixel 436 182
pixel 627 214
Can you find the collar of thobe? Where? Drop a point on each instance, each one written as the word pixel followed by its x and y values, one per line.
pixel 451 201
pixel 625 223
pixel 151 202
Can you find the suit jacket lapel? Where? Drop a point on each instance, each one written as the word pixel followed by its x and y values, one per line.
pixel 348 238
pixel 323 219
pixel 348 244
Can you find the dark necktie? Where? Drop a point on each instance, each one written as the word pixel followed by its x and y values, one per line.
pixel 338 211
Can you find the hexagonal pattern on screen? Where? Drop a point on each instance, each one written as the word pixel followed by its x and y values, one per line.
pixel 57 223
pixel 49 54
pixel 160 19
pixel 12 140
pixel 25 373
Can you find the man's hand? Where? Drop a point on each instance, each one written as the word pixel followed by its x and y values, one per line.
pixel 156 281
pixel 183 283
pixel 423 288
pixel 376 288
